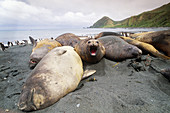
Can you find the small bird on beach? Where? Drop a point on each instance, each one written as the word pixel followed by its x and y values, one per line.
pixel 3 47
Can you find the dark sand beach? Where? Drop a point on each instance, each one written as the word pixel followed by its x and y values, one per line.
pixel 119 87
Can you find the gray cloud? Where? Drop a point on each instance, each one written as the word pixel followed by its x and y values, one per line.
pixel 78 13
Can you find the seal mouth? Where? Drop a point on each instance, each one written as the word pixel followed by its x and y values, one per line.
pixel 33 63
pixel 93 50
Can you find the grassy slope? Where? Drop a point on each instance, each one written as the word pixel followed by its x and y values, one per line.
pixel 159 17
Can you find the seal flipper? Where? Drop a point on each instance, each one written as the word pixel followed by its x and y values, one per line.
pixel 88 73
pixel 33 41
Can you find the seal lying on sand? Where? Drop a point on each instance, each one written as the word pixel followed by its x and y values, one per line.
pixel 90 50
pixel 160 40
pixel 57 74
pixel 40 49
pixel 145 47
pixel 68 39
pixel 117 49
pixel 106 34
pixel 135 35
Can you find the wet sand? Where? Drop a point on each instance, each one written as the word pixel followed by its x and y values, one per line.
pixel 120 88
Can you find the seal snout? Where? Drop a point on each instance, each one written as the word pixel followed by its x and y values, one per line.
pixel 33 62
pixel 26 101
pixel 137 52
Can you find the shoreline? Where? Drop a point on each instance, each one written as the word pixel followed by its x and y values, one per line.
pixel 20 35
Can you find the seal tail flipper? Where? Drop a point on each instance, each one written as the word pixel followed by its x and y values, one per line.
pixel 88 73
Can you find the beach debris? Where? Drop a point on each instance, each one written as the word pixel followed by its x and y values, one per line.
pixel 148 60
pixel 115 64
pixel 91 79
pixel 6 110
pixel 137 66
pixel 78 105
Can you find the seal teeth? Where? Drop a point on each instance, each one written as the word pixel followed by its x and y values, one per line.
pixel 93 50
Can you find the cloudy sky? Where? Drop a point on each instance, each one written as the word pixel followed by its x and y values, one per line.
pixel 37 14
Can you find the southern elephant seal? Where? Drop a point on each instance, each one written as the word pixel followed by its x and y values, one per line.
pixel 117 49
pixel 145 47
pixel 106 34
pixel 160 40
pixel 40 49
pixel 57 74
pixel 68 39
pixel 90 50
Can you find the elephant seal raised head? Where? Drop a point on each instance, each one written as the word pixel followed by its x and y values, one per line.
pixel 117 49
pixel 57 74
pixel 68 39
pixel 40 49
pixel 90 50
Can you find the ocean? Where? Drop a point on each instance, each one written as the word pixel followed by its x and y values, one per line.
pixel 12 35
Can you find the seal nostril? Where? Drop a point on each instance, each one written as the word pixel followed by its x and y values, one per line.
pixel 22 106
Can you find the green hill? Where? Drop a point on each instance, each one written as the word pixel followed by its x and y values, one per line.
pixel 104 22
pixel 159 17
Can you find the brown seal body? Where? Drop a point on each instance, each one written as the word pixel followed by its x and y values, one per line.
pixel 160 40
pixel 106 34
pixel 57 74
pixel 145 47
pixel 40 49
pixel 90 50
pixel 117 49
pixel 68 39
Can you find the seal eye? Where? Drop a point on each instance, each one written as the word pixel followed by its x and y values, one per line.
pixel 97 42
pixel 89 42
